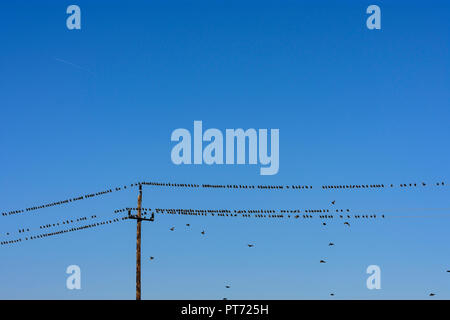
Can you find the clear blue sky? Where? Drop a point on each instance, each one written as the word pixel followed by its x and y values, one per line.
pixel 90 109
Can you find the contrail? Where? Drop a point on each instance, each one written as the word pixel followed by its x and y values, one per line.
pixel 74 65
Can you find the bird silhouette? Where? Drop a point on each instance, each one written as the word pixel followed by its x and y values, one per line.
pixel 188 225
pixel 432 294
pixel 448 271
pixel 347 223
pixel 333 202
pixel 203 232
pixel 322 261
pixel 332 294
pixel 331 244
pixel 173 228
pixel 228 287
pixel 324 224
pixel 251 245
pixel 151 258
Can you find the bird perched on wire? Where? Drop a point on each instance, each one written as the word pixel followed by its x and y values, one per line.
pixel 323 261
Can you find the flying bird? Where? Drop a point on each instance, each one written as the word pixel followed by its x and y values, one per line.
pixel 333 202
pixel 324 224
pixel 432 294
pixel 228 287
pixel 251 245
pixel 188 225
pixel 332 294
pixel 173 228
pixel 203 232
pixel 331 244
pixel 322 261
pixel 151 258
pixel 347 223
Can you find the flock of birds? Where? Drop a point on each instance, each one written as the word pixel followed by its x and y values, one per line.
pixel 179 211
pixel 151 258
pixel 345 214
pixel 213 186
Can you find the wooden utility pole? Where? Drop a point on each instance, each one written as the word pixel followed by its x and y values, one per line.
pixel 138 219
pixel 138 246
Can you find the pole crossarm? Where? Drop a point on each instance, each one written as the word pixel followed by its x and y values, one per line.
pixel 132 216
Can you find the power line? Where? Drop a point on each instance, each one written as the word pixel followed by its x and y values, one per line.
pixel 62 231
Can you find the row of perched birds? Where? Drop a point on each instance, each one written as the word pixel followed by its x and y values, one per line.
pixel 66 222
pixel 213 186
pixel 247 186
pixel 240 213
pixel 230 211
pixel 63 231
pixel 57 203
pixel 57 224
pixel 367 186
